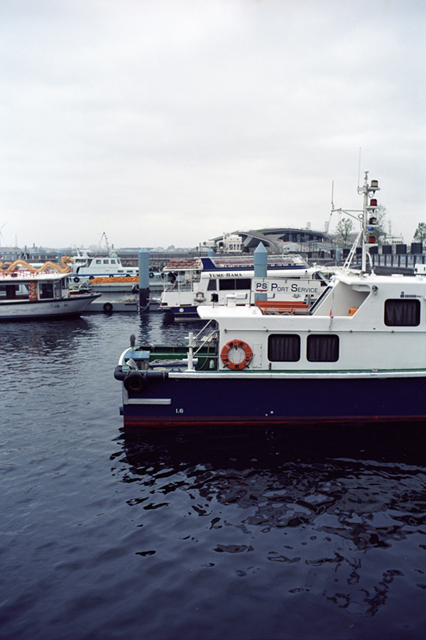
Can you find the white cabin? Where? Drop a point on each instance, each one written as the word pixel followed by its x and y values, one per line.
pixel 87 266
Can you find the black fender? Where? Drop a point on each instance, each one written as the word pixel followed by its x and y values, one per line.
pixel 135 381
pixel 119 374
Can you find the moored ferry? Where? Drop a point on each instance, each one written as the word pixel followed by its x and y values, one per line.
pixel 28 293
pixel 214 280
pixel 358 354
pixel 86 266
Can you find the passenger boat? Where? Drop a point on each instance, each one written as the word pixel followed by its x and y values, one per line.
pixel 86 266
pixel 209 281
pixel 357 355
pixel 27 292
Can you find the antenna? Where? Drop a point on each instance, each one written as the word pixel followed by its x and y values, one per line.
pixel 327 222
pixel 359 166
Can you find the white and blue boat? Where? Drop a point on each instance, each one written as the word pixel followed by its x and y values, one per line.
pixel 212 281
pixel 357 355
pixel 86 266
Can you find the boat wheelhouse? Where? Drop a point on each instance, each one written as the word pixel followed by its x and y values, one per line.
pixel 358 354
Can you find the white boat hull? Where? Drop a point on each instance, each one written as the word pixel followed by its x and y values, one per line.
pixel 28 310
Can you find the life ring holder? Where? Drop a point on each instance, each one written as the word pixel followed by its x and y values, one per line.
pixel 236 344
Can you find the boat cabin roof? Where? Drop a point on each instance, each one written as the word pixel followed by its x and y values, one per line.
pixel 23 275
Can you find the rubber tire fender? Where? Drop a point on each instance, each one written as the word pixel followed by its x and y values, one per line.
pixel 135 382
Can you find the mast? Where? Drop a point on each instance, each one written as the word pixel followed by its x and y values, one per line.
pixel 368 217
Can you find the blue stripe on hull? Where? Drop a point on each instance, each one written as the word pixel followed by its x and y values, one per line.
pixel 232 400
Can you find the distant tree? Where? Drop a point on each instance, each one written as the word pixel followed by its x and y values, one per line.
pixel 379 231
pixel 343 232
pixel 420 233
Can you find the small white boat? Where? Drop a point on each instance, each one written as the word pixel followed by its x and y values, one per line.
pixel 87 266
pixel 28 293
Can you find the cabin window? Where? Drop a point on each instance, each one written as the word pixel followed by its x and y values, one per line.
pixel 232 284
pixel 46 290
pixel 211 285
pixel 9 291
pixel 98 261
pixel 244 283
pixel 106 261
pixel 227 284
pixel 112 261
pixel 318 301
pixel 284 348
pixel 402 312
pixel 323 348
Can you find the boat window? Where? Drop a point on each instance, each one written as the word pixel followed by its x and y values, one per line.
pixel 402 313
pixel 106 261
pixel 323 348
pixel 9 291
pixel 244 283
pixel 58 289
pixel 284 348
pixel 46 290
pixel 227 285
pixel 98 261
pixel 112 261
pixel 320 299
pixel 211 285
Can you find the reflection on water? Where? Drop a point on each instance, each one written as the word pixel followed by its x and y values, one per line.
pixel 41 338
pixel 340 514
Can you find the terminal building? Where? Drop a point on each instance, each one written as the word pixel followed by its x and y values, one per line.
pixel 276 240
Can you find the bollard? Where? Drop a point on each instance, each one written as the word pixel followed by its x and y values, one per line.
pixel 260 267
pixel 143 281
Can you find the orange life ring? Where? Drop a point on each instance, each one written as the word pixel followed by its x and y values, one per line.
pixel 234 364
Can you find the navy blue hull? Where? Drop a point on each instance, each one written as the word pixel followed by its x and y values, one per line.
pixel 235 400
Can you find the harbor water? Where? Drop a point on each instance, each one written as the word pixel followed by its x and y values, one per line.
pixel 249 534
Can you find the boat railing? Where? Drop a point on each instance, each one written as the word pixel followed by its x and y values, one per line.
pixel 282 307
pixel 178 286
pixel 201 340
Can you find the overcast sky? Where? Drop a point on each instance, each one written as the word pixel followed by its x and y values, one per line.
pixel 169 122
